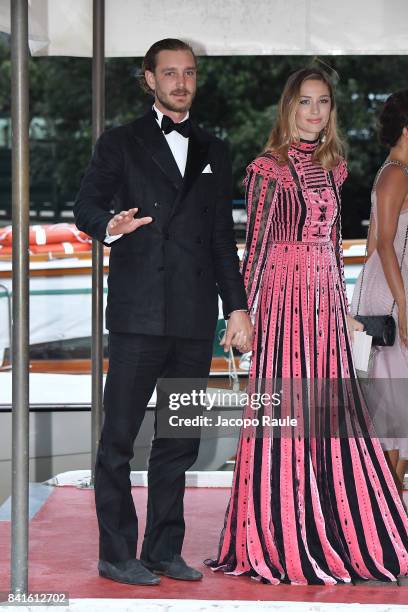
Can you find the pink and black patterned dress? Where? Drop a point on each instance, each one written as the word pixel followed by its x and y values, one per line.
pixel 312 508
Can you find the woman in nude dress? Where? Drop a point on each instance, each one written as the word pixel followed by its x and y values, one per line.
pixel 386 280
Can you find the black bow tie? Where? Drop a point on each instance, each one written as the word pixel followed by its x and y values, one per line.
pixel 183 128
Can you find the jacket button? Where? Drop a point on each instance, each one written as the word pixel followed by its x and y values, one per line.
pixel 156 205
pixel 205 210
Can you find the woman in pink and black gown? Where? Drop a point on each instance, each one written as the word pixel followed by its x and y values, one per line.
pixel 311 508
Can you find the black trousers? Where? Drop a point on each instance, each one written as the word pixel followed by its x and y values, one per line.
pixel 136 362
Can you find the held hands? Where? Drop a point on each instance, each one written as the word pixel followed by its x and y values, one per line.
pixel 239 332
pixel 353 326
pixel 125 223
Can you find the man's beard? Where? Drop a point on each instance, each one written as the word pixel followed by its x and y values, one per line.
pixel 166 102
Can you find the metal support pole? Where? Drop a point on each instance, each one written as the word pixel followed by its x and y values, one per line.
pixel 98 123
pixel 20 343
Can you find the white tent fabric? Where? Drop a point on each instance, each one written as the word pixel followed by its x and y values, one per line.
pixel 220 27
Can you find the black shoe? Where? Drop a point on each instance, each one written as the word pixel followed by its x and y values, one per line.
pixel 177 569
pixel 128 572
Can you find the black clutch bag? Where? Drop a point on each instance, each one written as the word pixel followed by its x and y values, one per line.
pixel 381 327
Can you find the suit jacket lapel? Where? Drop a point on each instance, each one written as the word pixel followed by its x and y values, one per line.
pixel 197 159
pixel 155 142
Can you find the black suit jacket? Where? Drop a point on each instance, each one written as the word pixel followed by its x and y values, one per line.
pixel 164 278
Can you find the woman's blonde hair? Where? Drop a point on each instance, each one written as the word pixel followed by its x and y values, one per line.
pixel 330 149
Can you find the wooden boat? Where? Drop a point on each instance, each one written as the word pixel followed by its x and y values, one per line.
pixel 60 302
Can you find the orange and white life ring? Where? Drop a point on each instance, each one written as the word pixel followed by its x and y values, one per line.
pixel 67 248
pixel 48 234
pixel 5 250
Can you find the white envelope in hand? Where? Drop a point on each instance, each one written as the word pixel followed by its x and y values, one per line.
pixel 207 170
pixel 361 350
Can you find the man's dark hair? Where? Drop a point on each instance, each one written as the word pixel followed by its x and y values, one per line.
pixel 150 59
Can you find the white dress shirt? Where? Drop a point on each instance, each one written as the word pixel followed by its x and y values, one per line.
pixel 177 143
pixel 179 147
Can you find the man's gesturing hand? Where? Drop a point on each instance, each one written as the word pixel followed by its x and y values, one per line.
pixel 124 222
pixel 239 332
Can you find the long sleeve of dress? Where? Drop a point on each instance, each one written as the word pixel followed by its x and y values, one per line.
pixel 339 174
pixel 261 189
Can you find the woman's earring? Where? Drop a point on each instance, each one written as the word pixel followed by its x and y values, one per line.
pixel 323 136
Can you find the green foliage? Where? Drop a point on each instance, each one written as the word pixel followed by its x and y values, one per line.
pixel 237 99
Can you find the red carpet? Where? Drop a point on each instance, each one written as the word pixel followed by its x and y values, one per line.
pixel 64 550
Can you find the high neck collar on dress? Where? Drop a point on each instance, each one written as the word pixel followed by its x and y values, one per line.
pixel 305 146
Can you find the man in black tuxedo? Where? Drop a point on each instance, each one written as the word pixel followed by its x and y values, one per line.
pixel 172 251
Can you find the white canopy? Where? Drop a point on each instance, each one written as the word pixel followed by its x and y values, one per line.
pixel 220 27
